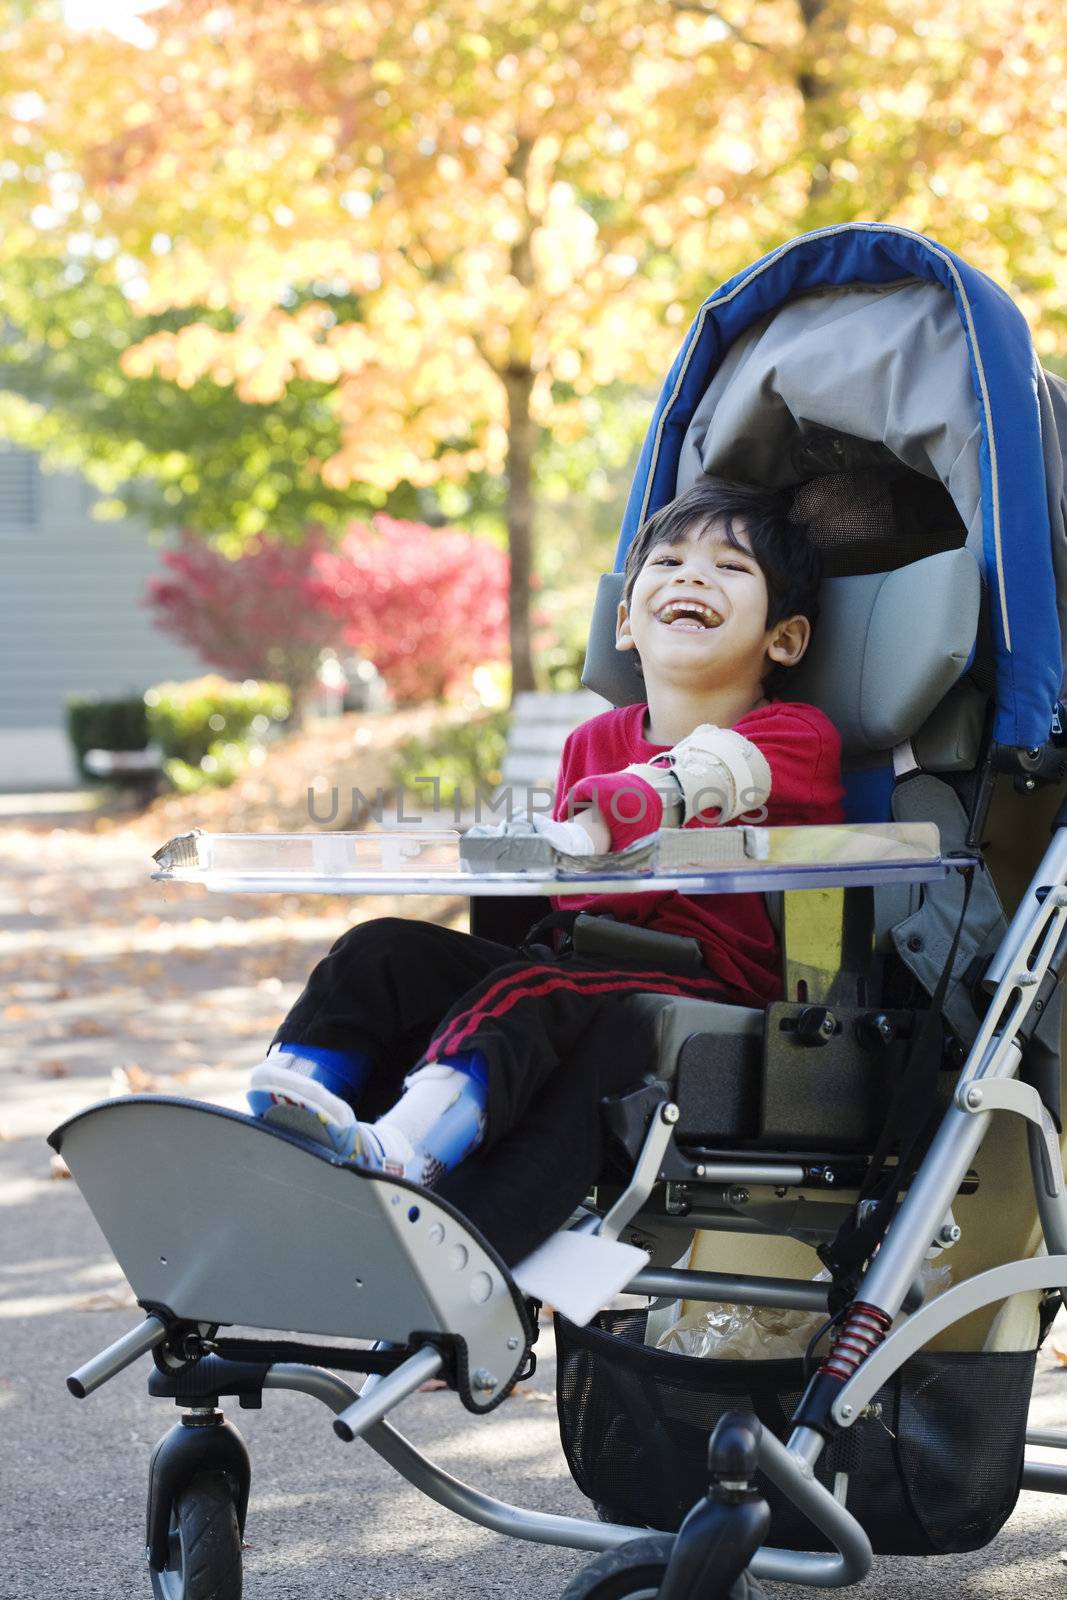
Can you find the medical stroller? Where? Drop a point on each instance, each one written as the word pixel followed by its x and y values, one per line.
pixel 874 1115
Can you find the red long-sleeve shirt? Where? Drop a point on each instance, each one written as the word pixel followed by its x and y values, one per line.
pixel 802 749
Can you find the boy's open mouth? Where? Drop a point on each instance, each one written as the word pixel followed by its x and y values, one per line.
pixel 688 616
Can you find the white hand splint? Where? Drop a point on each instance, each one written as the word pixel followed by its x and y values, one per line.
pixel 714 769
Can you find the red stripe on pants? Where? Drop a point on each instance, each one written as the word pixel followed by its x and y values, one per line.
pixel 525 988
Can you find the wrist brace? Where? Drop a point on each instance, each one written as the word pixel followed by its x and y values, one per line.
pixel 714 768
pixel 666 785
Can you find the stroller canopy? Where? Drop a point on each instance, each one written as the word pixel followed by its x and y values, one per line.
pixel 872 333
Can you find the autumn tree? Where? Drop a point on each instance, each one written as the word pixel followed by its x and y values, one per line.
pixel 520 204
pixel 194 455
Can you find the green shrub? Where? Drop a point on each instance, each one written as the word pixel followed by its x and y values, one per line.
pixel 207 726
pixel 221 765
pixel 186 719
pixel 561 650
pixel 97 724
pixel 465 756
pixel 562 664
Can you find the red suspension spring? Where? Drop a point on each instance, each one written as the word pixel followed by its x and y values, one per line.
pixel 862 1331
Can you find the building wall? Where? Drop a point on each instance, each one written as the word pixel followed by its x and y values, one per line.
pixel 71 617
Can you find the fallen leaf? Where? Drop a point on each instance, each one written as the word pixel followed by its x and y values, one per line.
pixel 53 1069
pixel 16 1013
pixel 108 1300
pixel 521 1392
pixel 141 1082
pixel 58 1168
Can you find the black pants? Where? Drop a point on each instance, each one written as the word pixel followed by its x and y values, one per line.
pixel 552 1032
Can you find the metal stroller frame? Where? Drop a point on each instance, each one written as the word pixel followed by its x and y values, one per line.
pixel 443 1302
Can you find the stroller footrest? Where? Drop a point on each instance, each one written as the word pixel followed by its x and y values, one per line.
pixel 218 1218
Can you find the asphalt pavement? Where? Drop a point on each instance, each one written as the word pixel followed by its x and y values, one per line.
pixel 327 1521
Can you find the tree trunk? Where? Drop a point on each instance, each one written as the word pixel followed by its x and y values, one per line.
pixel 821 110
pixel 518 378
pixel 518 381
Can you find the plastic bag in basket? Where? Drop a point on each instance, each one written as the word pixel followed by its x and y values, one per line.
pixel 761 1333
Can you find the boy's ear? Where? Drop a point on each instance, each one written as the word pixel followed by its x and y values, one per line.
pixel 624 639
pixel 789 640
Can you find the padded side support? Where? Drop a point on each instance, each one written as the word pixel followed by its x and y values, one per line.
pixel 950 740
pixel 608 671
pixel 889 646
pixel 674 1020
pixel 712 1053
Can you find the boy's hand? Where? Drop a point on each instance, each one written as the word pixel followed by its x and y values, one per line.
pixel 596 827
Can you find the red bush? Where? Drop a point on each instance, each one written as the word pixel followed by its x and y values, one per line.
pixel 256 617
pixel 426 607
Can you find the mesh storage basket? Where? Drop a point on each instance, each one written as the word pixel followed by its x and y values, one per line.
pixel 937 1472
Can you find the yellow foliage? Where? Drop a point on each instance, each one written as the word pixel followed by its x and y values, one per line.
pixel 539 187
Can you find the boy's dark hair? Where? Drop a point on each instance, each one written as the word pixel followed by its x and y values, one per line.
pixel 789 562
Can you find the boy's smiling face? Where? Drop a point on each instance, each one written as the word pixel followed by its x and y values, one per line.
pixel 698 613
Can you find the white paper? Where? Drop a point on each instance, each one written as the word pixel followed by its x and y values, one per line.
pixel 579 1273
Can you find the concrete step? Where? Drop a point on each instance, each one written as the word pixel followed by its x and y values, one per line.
pixel 520 769
pixel 539 736
pixel 539 726
pixel 544 720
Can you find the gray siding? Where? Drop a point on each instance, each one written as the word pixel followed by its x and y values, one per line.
pixel 73 618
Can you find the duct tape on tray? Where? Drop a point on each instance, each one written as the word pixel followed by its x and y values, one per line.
pixel 678 850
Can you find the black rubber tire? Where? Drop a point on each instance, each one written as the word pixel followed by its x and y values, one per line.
pixel 631 1570
pixel 204 1562
pixel 634 1571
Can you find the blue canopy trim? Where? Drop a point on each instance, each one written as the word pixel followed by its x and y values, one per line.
pixel 1016 535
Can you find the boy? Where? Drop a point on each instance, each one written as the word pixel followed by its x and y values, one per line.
pixel 720 595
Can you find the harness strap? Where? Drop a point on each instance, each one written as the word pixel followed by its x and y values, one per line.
pixel 607 938
pixel 378 1362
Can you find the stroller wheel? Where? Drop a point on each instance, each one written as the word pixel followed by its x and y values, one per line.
pixel 631 1572
pixel 635 1571
pixel 204 1546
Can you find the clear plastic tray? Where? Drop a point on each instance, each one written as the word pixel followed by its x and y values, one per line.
pixel 427 861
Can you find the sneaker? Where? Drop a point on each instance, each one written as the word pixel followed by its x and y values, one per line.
pixel 284 1083
pixel 284 1091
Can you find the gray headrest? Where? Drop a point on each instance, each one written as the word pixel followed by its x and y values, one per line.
pixel 887 648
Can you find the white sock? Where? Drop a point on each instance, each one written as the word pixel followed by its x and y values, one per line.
pixel 428 1094
pixel 396 1147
